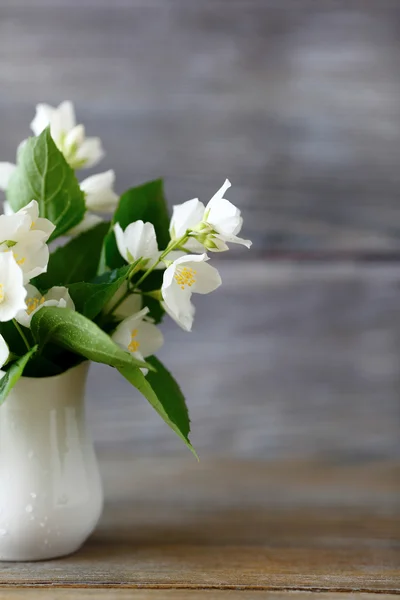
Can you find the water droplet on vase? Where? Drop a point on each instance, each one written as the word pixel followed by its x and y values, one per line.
pixel 3 532
pixel 33 495
pixel 29 508
pixel 30 454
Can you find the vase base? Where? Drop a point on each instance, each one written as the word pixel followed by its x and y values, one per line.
pixel 51 554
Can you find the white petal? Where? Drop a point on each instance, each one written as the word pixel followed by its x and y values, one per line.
pixel 220 194
pixel 191 258
pixel 32 293
pixel 6 170
pixel 13 293
pixel 122 334
pixel 121 243
pixel 99 193
pixel 44 113
pixel 88 221
pixel 7 208
pixel 186 216
pixel 184 320
pixel 150 338
pixel 224 217
pixel 207 278
pixel 75 137
pixel 60 293
pixel 89 153
pixel 31 209
pixel 141 241
pixel 233 239
pixel 177 300
pixel 4 351
pixel 14 227
pixel 67 115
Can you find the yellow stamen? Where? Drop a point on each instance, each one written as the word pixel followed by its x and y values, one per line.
pixel 20 261
pixel 1 293
pixel 33 303
pixel 185 276
pixel 134 344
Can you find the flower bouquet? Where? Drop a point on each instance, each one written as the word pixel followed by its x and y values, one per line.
pixel 101 294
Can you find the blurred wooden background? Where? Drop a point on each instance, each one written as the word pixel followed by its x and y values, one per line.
pixel 297 102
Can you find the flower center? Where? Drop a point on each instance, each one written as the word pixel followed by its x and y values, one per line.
pixel 19 261
pixel 185 276
pixel 134 344
pixel 1 293
pixel 33 303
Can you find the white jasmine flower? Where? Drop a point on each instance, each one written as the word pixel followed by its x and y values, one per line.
pixel 225 221
pixel 69 137
pixel 99 193
pixel 4 351
pixel 12 291
pixel 187 275
pixel 137 335
pixel 186 217
pixel 132 303
pixel 210 226
pixel 25 235
pixel 56 296
pixel 26 239
pixel 137 241
pixel 45 226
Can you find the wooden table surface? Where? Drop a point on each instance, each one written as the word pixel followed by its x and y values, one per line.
pixel 173 528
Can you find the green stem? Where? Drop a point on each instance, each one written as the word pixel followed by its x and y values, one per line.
pixel 21 333
pixel 169 248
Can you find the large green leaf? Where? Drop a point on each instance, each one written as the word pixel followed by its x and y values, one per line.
pixel 90 298
pixel 72 331
pixel 144 203
pixel 165 396
pixel 44 175
pixel 75 261
pixel 13 373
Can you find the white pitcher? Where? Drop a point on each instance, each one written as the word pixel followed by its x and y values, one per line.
pixel 50 489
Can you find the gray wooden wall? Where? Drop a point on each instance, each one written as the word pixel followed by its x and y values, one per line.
pixel 297 102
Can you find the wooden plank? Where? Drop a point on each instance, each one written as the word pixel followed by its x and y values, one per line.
pixel 112 594
pixel 294 101
pixel 236 525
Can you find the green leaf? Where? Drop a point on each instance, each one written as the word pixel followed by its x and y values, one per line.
pixel 144 203
pixel 72 331
pixel 90 298
pixel 14 373
pixel 165 396
pixel 75 261
pixel 14 340
pixel 44 175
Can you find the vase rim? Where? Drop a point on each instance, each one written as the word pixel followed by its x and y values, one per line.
pixel 84 364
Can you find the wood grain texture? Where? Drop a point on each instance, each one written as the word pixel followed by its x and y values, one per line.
pixel 168 594
pixel 295 101
pixel 236 525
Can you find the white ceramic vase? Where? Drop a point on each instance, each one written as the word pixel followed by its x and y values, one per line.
pixel 50 489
